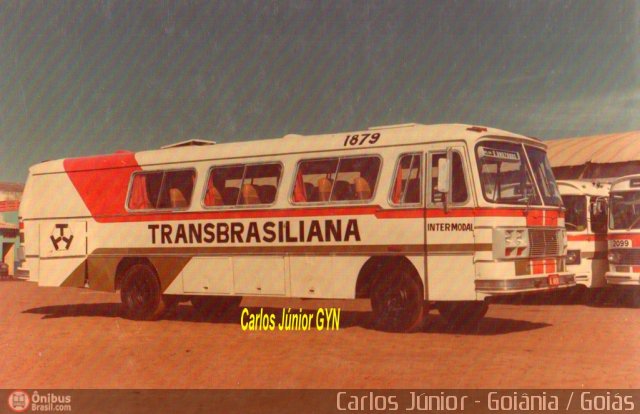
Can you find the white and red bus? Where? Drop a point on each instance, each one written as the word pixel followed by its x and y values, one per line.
pixel 624 235
pixel 586 222
pixel 406 215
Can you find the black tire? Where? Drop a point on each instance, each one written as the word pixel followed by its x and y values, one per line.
pixel 141 294
pixel 212 307
pixel 397 300
pixel 463 314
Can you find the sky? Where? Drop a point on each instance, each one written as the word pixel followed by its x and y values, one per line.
pixel 90 77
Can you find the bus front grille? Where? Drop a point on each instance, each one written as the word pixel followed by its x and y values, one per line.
pixel 545 242
pixel 628 256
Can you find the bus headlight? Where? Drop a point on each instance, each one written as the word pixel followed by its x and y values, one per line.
pixel 614 257
pixel 514 238
pixel 510 243
pixel 573 257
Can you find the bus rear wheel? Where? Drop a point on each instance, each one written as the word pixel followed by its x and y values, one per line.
pixel 397 302
pixel 141 294
pixel 210 307
pixel 463 314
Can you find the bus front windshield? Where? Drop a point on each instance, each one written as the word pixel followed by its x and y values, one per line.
pixel 507 178
pixel 625 210
pixel 576 214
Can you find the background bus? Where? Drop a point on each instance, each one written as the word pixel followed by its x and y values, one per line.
pixel 586 223
pixel 624 236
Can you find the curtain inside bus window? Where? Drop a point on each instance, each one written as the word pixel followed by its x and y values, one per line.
pixel 139 199
pixel 213 196
pixel 396 196
pixel 299 192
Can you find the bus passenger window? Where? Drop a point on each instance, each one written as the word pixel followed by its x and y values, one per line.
pixel 161 190
pixel 177 188
pixel 223 186
pixel 314 180
pixel 406 186
pixel 144 190
pixel 242 185
pixel 260 184
pixel 344 179
pixel 356 179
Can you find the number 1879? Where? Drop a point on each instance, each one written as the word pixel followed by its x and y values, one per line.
pixel 358 139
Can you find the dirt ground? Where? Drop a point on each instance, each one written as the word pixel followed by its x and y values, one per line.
pixel 75 338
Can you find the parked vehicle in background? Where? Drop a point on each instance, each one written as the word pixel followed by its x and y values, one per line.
pixel 405 215
pixel 586 222
pixel 624 236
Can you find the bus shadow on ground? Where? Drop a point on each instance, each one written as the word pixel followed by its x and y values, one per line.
pixel 348 319
pixel 607 298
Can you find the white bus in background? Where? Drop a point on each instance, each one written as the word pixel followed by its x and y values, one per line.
pixel 409 216
pixel 624 236
pixel 586 222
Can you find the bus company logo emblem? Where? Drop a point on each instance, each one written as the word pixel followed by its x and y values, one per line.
pixel 61 237
pixel 19 401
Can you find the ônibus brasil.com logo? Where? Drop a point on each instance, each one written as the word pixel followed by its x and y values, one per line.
pixel 19 401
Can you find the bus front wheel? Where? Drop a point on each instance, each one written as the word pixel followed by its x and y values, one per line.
pixel 141 294
pixel 463 314
pixel 397 302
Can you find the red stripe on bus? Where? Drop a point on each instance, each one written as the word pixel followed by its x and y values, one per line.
pixel 550 266
pixel 304 212
pixel 587 237
pixel 102 181
pixel 537 267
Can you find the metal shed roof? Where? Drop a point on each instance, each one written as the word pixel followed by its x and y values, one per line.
pixel 598 149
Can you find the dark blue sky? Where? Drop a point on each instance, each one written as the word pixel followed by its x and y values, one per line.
pixel 86 77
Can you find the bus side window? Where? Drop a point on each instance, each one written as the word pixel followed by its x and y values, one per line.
pixel 161 190
pixel 436 196
pixel 260 184
pixel 223 186
pixel 406 185
pixel 459 192
pixel 356 179
pixel 176 189
pixel 336 179
pixel 144 191
pixel 242 185
pixel 314 180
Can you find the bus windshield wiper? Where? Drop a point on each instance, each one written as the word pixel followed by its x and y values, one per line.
pixel 632 225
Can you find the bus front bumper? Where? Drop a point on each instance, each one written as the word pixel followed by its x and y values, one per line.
pixel 623 278
pixel 525 284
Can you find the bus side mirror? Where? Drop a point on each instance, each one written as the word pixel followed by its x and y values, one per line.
pixel 443 176
pixel 599 207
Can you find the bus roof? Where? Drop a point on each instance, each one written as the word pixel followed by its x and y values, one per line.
pixel 583 187
pixel 626 183
pixel 390 135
